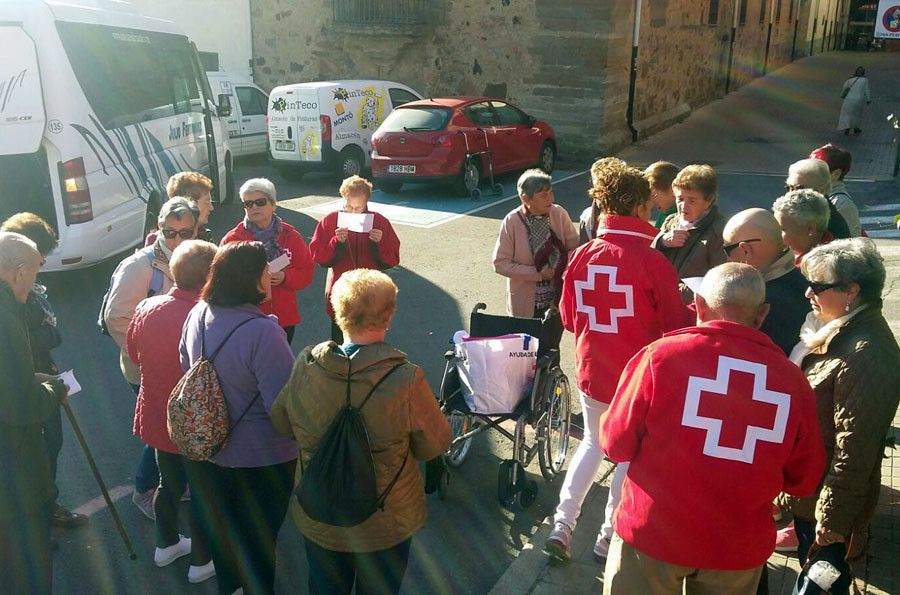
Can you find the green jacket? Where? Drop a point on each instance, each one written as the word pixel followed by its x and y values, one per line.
pixel 401 417
pixel 24 404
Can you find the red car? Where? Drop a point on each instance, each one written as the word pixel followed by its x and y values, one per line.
pixel 457 140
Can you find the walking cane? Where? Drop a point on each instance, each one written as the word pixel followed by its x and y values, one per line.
pixel 90 459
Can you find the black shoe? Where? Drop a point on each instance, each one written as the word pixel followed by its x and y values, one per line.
pixel 67 519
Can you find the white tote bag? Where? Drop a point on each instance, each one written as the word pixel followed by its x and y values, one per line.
pixel 496 372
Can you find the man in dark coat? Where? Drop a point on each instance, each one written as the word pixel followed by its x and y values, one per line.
pixel 754 237
pixel 26 399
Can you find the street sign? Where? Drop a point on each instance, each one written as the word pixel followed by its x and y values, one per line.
pixel 887 19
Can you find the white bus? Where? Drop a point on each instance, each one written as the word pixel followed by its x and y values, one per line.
pixel 98 107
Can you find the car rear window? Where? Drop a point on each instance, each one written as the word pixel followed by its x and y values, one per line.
pixel 416 119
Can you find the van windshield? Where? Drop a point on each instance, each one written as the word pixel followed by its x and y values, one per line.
pixel 130 76
pixel 416 119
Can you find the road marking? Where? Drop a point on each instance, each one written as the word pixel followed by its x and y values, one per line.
pixel 94 506
pixel 893 209
pixel 884 234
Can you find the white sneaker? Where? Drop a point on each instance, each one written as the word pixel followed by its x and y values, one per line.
pixel 163 556
pixel 601 549
pixel 198 574
pixel 559 545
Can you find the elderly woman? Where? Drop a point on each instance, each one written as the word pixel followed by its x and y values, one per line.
pixel 340 249
pixel 852 361
pixel 855 92
pixel 533 247
pixel 196 188
pixel 282 243
pixel 803 216
pixel 838 162
pixel 691 239
pixel 814 175
pixel 402 420
pixel 243 490
pixel 152 342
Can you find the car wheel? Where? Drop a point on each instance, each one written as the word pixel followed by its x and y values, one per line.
pixel 389 186
pixel 547 159
pixel 469 177
pixel 350 162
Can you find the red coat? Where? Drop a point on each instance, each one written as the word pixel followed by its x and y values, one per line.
pixel 297 275
pixel 618 295
pixel 700 486
pixel 358 252
pixel 152 342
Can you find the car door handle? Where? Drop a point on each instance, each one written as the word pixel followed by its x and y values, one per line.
pixel 245 119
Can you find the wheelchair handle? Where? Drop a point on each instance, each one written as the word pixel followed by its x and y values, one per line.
pixel 479 307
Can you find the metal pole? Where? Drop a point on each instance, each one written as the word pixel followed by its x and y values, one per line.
pixel 87 453
pixel 632 79
pixel 734 24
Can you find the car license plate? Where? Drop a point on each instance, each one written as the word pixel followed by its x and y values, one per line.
pixel 401 169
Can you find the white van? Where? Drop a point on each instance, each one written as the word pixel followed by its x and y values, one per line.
pixel 329 125
pixel 247 123
pixel 98 108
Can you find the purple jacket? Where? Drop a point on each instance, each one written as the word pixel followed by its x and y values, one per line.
pixel 256 359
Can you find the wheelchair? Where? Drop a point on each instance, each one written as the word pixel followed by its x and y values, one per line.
pixel 547 409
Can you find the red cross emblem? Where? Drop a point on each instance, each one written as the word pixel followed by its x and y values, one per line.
pixel 602 296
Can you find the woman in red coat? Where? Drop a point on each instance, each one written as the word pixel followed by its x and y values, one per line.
pixel 261 224
pixel 342 250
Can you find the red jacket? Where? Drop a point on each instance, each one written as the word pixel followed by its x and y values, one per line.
pixel 297 275
pixel 152 342
pixel 618 295
pixel 700 486
pixel 358 252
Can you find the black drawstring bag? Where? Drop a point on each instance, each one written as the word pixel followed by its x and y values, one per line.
pixel 826 571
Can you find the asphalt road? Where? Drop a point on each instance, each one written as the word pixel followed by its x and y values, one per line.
pixel 445 269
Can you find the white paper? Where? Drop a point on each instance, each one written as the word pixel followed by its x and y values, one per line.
pixel 68 377
pixel 280 263
pixel 360 222
pixel 693 283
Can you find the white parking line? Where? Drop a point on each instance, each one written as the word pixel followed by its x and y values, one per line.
pixel 94 506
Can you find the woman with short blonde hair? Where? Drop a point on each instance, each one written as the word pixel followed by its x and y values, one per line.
pixel 363 299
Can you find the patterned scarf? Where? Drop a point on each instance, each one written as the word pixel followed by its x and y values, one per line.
pixel 268 236
pixel 547 249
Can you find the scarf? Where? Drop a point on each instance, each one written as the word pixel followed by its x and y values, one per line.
pixel 815 335
pixel 268 236
pixel 547 249
pixel 680 223
pixel 782 265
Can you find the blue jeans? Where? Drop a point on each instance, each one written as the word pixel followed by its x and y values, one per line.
pixel 147 475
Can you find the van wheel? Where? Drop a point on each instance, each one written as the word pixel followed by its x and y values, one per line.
pixel 547 158
pixel 150 219
pixel 389 186
pixel 350 162
pixel 469 177
pixel 227 197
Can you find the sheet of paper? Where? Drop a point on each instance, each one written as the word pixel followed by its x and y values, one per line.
pixel 693 283
pixel 68 377
pixel 360 222
pixel 280 263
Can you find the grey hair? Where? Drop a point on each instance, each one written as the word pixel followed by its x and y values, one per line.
pixel 804 206
pixel 733 285
pixel 533 181
pixel 177 208
pixel 810 173
pixel 15 249
pixel 854 260
pixel 263 185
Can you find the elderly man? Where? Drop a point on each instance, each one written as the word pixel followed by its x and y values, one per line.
pixel 814 175
pixel 141 275
pixel 533 247
pixel 713 418
pixel 754 237
pixel 26 400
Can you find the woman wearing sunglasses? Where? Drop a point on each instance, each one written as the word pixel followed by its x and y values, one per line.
pixel 282 243
pixel 852 361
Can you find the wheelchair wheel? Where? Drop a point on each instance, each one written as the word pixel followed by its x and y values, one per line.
pixel 529 493
pixel 460 423
pixel 555 428
pixel 506 485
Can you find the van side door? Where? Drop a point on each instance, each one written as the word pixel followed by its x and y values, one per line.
pixel 253 104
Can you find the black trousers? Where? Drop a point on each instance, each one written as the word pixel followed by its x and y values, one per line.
pixel 375 573
pixel 241 510
pixel 53 440
pixel 172 483
pixel 289 331
pixel 25 563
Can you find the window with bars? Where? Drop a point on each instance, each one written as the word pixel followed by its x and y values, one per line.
pixel 778 4
pixel 391 13
pixel 713 17
pixel 743 12
pixel 762 11
pixel 791 10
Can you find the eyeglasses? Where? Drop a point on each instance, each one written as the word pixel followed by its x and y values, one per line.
pixel 260 202
pixel 729 248
pixel 792 187
pixel 186 234
pixel 818 288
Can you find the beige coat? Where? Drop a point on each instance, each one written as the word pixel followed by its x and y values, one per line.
pixel 513 258
pixel 129 285
pixel 402 417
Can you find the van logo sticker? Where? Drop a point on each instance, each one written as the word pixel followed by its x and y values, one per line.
pixel 340 120
pixel 347 135
pixel 279 105
pixel 371 108
pixel 341 94
pixel 55 126
pixel 339 108
pixel 16 81
pixel 310 145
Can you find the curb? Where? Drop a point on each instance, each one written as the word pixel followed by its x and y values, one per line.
pixel 525 571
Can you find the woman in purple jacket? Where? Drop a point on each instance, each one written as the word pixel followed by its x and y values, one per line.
pixel 245 488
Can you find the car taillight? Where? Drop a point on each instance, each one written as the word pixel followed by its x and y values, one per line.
pixel 325 123
pixel 76 196
pixel 444 140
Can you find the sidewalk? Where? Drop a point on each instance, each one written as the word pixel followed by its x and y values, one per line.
pixel 761 129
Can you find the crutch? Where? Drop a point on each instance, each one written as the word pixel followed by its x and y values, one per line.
pixel 90 459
